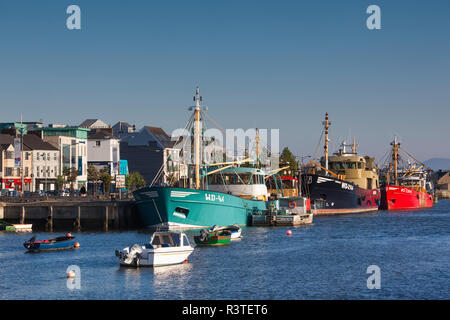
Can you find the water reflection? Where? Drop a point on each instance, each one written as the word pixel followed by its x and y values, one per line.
pixel 176 277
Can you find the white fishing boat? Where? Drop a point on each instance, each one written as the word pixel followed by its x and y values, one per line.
pixel 164 248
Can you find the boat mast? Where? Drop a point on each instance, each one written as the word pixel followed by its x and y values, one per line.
pixel 197 139
pixel 354 145
pixel 326 124
pixel 395 158
pixel 257 148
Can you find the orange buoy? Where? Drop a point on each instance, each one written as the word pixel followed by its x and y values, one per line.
pixel 289 232
pixel 68 235
pixel 292 204
pixel 76 245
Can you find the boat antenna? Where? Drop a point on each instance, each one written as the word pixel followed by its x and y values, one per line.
pixel 326 125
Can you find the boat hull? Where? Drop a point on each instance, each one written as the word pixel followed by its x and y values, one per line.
pixel 51 245
pixel 215 240
pixel 180 208
pixel 403 198
pixel 159 258
pixel 330 195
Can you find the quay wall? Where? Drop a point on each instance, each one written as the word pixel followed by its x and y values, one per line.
pixel 77 215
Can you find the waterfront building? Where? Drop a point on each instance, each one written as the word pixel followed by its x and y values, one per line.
pixel 104 152
pixel 45 163
pixel 10 173
pixel 72 145
pixel 122 128
pixel 94 124
pixel 146 150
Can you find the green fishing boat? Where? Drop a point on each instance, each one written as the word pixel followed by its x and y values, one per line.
pixel 5 226
pixel 213 237
pixel 210 194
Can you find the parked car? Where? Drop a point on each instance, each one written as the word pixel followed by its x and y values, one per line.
pixel 52 193
pixel 9 192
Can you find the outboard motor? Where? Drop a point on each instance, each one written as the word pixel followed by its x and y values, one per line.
pixel 134 251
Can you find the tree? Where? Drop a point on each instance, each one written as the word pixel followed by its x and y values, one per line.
pixel 93 176
pixel 71 175
pixel 135 181
pixel 288 156
pixel 106 178
pixel 59 182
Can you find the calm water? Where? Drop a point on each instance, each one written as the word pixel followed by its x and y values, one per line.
pixel 327 260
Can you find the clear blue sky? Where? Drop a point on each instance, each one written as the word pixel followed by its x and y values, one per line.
pixel 267 64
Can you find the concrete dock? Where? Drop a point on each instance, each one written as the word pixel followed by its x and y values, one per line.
pixel 75 214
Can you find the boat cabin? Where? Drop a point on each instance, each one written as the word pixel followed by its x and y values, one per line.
pixel 247 183
pixel 354 168
pixel 417 181
pixel 168 239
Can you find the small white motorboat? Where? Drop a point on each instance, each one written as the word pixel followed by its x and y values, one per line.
pixel 164 248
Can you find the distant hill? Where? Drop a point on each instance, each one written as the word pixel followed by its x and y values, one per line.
pixel 438 163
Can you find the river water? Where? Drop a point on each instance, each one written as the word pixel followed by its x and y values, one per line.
pixel 327 260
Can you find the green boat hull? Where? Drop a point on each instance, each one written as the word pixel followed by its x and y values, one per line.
pixel 213 242
pixel 174 208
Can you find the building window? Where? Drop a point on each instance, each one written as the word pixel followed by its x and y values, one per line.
pixel 9 172
pixel 26 171
pixel 54 156
pixel 9 155
pixel 38 172
pixel 97 143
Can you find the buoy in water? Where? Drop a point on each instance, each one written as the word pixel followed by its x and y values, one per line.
pixel 289 232
pixel 71 274
pixel 76 245
pixel 68 235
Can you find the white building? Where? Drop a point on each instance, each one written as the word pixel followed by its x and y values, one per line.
pixel 104 152
pixel 72 144
pixel 46 166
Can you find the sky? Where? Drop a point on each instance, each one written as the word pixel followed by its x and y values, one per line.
pixel 265 64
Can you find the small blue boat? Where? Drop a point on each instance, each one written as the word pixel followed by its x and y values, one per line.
pixel 60 243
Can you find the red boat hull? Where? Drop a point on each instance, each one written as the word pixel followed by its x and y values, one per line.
pixel 402 198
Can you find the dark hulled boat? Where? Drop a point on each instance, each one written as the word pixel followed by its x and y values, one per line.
pixel 347 182
pixel 60 243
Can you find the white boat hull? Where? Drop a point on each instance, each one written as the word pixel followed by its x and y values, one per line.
pixel 156 257
pixel 236 234
pixel 23 227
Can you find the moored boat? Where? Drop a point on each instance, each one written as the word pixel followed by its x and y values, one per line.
pixel 235 230
pixel 347 183
pixel 5 226
pixel 203 196
pixel 409 188
pixel 164 248
pixel 213 237
pixel 60 243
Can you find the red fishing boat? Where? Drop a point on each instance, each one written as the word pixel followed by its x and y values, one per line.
pixel 410 188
